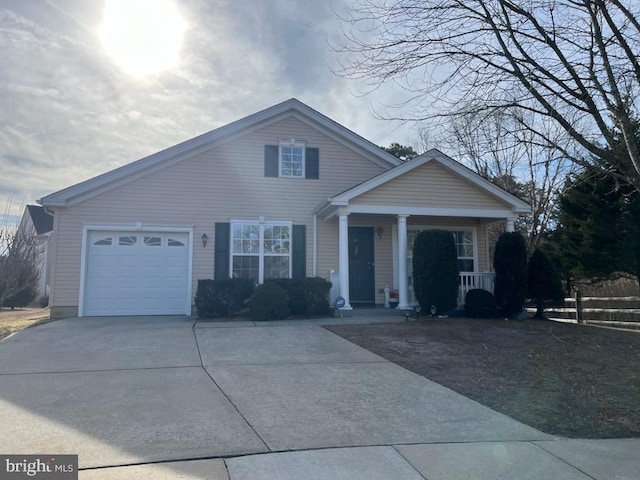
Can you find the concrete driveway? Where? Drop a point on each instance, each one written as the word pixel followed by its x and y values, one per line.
pixel 166 397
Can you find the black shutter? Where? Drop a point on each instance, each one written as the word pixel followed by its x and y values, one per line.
pixel 299 252
pixel 221 249
pixel 271 154
pixel 312 163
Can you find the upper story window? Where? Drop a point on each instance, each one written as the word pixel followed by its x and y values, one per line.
pixel 292 159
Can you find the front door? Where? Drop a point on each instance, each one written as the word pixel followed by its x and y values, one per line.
pixel 361 266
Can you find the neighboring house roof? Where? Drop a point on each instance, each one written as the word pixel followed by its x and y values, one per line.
pixel 330 206
pixel 203 142
pixel 42 221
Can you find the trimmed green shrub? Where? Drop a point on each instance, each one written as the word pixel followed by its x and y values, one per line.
pixel 307 296
pixel 222 298
pixel 479 303
pixel 435 270
pixel 269 302
pixel 510 263
pixel 543 281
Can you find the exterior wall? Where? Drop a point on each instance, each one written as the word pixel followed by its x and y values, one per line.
pixel 226 182
pixel 434 186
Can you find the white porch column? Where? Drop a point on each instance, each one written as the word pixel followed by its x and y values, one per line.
pixel 511 226
pixel 343 257
pixel 403 275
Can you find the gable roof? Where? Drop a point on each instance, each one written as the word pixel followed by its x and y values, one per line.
pixel 205 141
pixel 42 221
pixel 330 206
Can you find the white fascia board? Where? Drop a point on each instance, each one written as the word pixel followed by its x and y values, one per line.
pixel 430 211
pixel 193 146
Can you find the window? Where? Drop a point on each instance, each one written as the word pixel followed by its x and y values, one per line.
pixel 128 241
pixel 292 159
pixel 103 241
pixel 260 251
pixel 152 241
pixel 172 242
pixel 464 245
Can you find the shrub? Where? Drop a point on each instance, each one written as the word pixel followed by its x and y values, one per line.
pixel 510 263
pixel 480 303
pixel 222 298
pixel 269 302
pixel 435 270
pixel 24 297
pixel 543 281
pixel 307 296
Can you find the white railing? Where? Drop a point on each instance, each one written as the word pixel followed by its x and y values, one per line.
pixel 470 280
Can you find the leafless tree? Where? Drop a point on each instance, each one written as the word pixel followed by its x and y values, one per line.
pixel 18 252
pixel 496 146
pixel 572 61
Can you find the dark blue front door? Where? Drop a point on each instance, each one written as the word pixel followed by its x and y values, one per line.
pixel 361 266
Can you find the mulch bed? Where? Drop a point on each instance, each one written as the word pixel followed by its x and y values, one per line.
pixel 571 380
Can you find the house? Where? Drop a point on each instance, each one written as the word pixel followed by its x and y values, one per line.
pixel 285 192
pixel 36 223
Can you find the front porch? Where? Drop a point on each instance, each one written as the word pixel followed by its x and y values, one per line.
pixel 378 220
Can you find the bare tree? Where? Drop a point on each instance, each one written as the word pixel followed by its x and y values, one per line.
pixel 495 145
pixel 18 269
pixel 572 61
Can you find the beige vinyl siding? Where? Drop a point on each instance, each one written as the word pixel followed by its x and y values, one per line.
pixel 226 182
pixel 431 185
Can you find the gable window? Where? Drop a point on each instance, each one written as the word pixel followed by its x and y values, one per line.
pixel 292 159
pixel 260 251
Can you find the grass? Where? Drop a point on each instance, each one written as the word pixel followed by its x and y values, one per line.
pixel 570 380
pixel 14 320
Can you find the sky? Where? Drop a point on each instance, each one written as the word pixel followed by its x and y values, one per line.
pixel 74 102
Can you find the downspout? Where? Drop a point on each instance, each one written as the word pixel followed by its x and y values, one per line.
pixel 314 254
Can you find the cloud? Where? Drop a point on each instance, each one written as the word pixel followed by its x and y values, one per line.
pixel 69 113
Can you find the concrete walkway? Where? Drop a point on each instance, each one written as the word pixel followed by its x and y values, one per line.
pixel 166 397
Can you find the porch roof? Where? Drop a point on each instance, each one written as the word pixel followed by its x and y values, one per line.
pixel 432 184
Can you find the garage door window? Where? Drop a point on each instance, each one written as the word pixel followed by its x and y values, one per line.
pixel 175 243
pixel 103 241
pixel 127 241
pixel 153 241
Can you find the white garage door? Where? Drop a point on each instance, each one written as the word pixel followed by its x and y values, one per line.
pixel 136 273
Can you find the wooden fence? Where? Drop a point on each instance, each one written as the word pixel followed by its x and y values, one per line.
pixel 619 312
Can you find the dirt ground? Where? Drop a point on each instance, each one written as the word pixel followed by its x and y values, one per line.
pixel 20 318
pixel 565 379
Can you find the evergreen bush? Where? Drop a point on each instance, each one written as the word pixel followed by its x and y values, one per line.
pixel 510 264
pixel 307 296
pixel 222 298
pixel 479 303
pixel 269 302
pixel 435 270
pixel 543 281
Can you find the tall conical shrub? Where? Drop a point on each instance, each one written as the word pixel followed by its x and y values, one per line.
pixel 543 281
pixel 435 270
pixel 510 264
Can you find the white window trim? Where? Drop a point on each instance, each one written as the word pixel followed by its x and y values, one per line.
pixel 138 227
pixel 451 228
pixel 291 144
pixel 262 223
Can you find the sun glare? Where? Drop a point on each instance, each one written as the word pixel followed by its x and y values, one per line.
pixel 142 36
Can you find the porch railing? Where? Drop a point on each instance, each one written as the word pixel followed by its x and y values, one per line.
pixel 470 280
